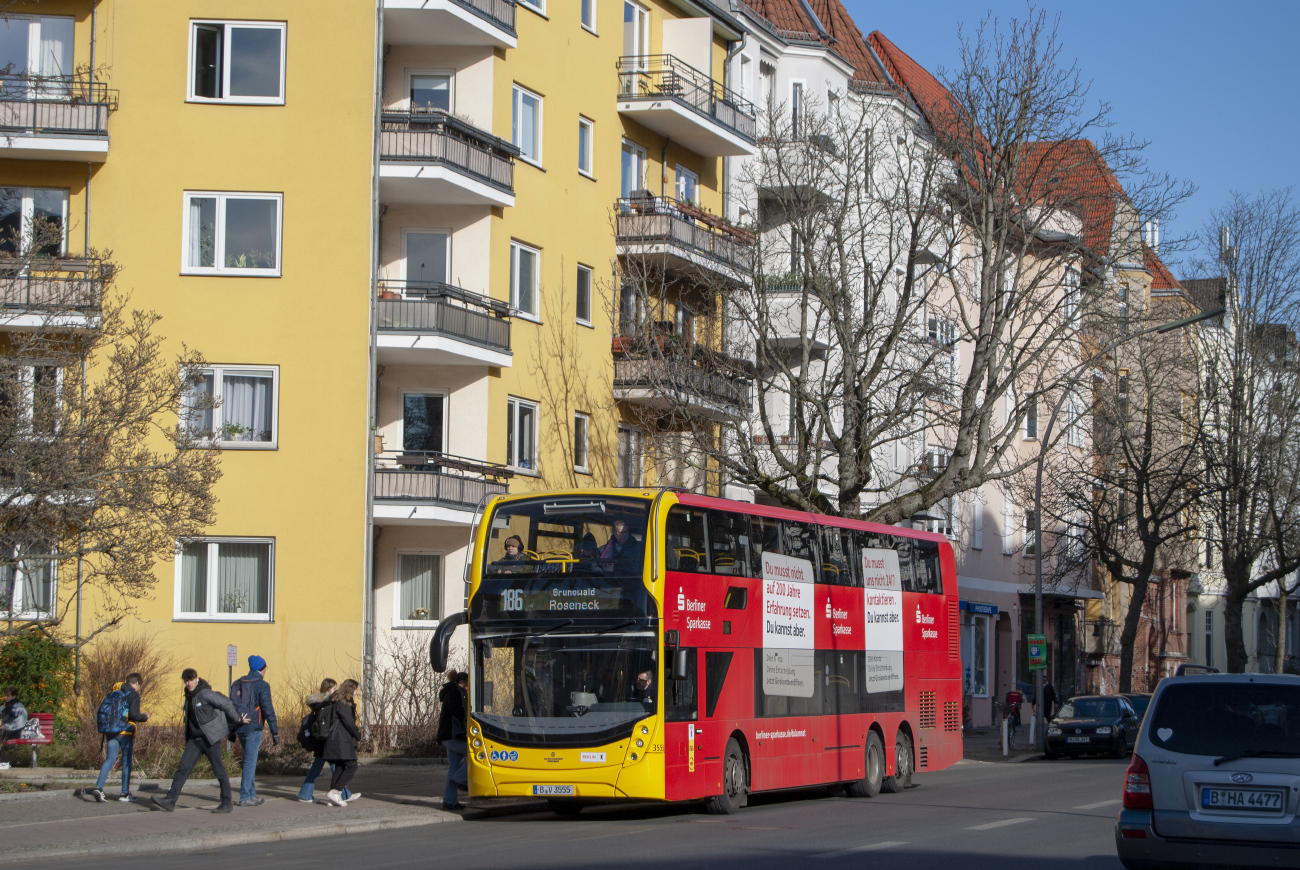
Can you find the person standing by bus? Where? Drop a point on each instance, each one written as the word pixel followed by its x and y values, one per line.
pixel 452 735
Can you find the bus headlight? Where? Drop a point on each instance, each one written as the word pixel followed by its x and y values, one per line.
pixel 481 756
pixel 639 743
pixel 645 730
pixel 634 756
pixel 477 743
pixel 473 729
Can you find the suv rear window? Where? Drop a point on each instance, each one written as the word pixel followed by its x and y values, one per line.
pixel 1227 718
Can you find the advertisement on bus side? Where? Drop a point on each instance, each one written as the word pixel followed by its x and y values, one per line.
pixel 788 630
pixel 883 603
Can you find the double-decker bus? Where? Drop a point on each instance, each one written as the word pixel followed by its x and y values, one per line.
pixel 643 645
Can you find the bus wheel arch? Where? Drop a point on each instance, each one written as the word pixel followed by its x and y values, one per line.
pixel 735 779
pixel 904 761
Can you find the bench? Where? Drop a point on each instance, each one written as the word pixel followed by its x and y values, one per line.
pixel 39 731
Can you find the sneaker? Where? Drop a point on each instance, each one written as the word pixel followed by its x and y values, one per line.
pixel 164 802
pixel 336 798
pixel 453 807
pixel 350 798
pixel 253 802
pixel 303 800
pixel 127 799
pixel 98 794
pixel 225 807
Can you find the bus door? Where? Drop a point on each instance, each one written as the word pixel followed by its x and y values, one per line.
pixel 684 735
pixel 726 698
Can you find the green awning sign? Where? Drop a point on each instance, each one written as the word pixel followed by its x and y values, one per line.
pixel 1037 651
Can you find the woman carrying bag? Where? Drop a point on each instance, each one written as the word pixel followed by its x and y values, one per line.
pixel 307 794
pixel 341 744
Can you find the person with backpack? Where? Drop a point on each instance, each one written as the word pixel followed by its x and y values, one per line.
pixel 308 740
pixel 452 735
pixel 209 716
pixel 13 719
pixel 251 696
pixel 116 719
pixel 337 720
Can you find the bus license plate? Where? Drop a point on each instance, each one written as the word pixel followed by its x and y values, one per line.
pixel 553 790
pixel 1077 739
pixel 1256 800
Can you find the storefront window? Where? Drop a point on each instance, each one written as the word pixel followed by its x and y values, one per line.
pixel 975 654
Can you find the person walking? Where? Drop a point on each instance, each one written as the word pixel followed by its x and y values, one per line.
pixel 251 696
pixel 1049 700
pixel 117 715
pixel 341 744
pixel 13 718
pixel 452 735
pixel 307 794
pixel 209 716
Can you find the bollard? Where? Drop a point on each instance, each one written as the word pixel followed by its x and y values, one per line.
pixel 1005 720
pixel 33 756
pixel 1032 737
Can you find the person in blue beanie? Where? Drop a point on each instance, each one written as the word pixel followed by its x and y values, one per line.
pixel 251 696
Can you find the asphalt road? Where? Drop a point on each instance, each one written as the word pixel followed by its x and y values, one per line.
pixel 974 815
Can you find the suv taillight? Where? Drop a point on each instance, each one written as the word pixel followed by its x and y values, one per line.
pixel 1137 785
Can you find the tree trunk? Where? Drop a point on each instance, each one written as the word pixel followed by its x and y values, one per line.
pixel 1128 637
pixel 1233 639
pixel 1279 640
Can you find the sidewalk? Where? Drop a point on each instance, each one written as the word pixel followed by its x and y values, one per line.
pixel 985 744
pixel 62 823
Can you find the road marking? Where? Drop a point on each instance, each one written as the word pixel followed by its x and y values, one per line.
pixel 1000 824
pixel 870 847
pixel 1099 804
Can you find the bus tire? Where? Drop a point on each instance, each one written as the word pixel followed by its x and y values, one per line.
pixel 869 785
pixel 733 783
pixel 902 777
pixel 566 808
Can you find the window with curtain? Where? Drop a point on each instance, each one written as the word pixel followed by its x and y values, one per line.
pixel 225 579
pixel 237 62
pixel 38 46
pixel 688 185
pixel 33 220
pixel 630 454
pixel 27 588
pixel 232 234
pixel 419 578
pixel 233 406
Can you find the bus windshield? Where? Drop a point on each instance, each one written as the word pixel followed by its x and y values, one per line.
pixel 576 535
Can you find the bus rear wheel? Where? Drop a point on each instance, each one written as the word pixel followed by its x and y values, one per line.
pixel 869 785
pixel 902 777
pixel 733 783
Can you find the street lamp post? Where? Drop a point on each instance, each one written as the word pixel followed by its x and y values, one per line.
pixel 1039 724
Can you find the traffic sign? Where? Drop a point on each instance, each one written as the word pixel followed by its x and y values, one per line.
pixel 1037 651
pixel 232 655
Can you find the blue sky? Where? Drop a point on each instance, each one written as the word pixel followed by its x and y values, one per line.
pixel 1214 86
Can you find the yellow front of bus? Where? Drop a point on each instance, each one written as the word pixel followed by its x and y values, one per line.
pixel 564 649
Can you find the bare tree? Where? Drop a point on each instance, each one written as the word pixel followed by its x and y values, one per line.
pixel 1251 257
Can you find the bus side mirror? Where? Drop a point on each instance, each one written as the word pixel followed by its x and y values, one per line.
pixel 440 646
pixel 681 663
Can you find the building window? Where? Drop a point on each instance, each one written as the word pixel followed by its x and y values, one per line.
pixel 39 46
pixel 1008 524
pixel 524 278
pixel 426 257
pixel 633 168
pixel 629 456
pixel 688 186
pixel 538 6
pixel 796 109
pixel 424 421
pixel 1209 638
pixel 1031 418
pixel 225 579
pixel 1071 300
pixel 33 219
pixel 526 125
pixel 430 91
pixel 34 396
pixel 1121 396
pixel 521 434
pixel 583 300
pixel 419 590
pixel 237 62
pixel 1073 420
pixel 232 234
pixel 1031 534
pixel 234 406
pixel 27 585
pixel 977 519
pixel 581 426
pixel 945 517
pixel 636 29
pixel 975 654
pixel 586 132
pixel 589 15
pixel 1123 306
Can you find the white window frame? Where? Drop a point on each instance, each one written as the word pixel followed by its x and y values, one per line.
pixel 513 404
pixel 406 231
pixel 451 86
pixel 585 123
pixel 1070 287
pixel 798 105
pixel 399 620
pixel 28 219
pixel 682 176
pixel 641 157
pixel 977 518
pixel 945 521
pixel 218 394
pixel 219 254
pixel 1008 530
pixel 19 579
pixel 589 26
pixel 516 106
pixel 585 467
pixel 1073 420
pixel 226 24
pixel 1029 540
pixel 211 614
pixel 1031 416
pixel 33 20
pixel 641 29
pixel 538 6
pixel 516 247
pixel 27 396
pixel 591 281
pixel 401 410
pixel 640 454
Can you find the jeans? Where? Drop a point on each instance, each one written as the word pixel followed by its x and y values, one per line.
pixel 308 790
pixel 252 743
pixel 457 774
pixel 196 747
pixel 119 744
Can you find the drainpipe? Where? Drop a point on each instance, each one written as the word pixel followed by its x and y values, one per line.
pixel 663 176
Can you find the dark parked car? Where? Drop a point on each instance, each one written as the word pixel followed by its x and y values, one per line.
pixel 1093 723
pixel 1138 701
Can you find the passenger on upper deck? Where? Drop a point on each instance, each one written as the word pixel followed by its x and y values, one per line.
pixel 622 550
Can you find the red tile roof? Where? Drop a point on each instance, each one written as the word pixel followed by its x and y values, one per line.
pixel 838 31
pixel 1074 175
pixel 1161 278
pixel 931 97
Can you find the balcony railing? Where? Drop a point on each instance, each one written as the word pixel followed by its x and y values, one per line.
pixel 443 309
pixel 54 285
pixel 662 76
pixel 439 138
pixel 55 105
pixel 660 220
pixel 680 373
pixel 419 476
pixel 500 13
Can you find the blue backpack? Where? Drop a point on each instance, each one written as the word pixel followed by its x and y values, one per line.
pixel 111 718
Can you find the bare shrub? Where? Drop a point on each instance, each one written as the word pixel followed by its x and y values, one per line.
pixel 107 662
pixel 404 699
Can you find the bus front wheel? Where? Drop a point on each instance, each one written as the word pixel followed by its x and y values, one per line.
pixel 733 783
pixel 869 785
pixel 902 777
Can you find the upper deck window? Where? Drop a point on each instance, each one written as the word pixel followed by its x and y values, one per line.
pixel 572 535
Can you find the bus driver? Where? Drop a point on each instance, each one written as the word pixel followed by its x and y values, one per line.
pixel 643 690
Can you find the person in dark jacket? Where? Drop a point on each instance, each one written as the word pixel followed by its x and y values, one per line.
pixel 341 745
pixel 250 735
pixel 122 742
pixel 13 716
pixel 452 735
pixel 209 716
pixel 1049 700
pixel 307 794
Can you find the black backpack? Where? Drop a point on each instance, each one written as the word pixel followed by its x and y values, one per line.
pixel 305 727
pixel 243 694
pixel 323 723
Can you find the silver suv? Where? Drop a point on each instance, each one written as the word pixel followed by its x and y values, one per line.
pixel 1215 776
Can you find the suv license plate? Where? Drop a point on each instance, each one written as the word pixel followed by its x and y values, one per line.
pixel 553 790
pixel 1249 799
pixel 1077 739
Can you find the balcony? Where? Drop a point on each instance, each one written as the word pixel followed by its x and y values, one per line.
pixel 433 158
pixel 429 323
pixel 54 118
pixel 678 101
pixel 674 377
pixel 39 293
pixel 684 236
pixel 435 489
pixel 450 22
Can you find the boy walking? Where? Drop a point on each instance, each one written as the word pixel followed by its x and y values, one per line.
pixel 118 714
pixel 251 696
pixel 209 716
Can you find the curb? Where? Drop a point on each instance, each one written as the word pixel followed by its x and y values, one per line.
pixel 221 840
pixel 37 794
